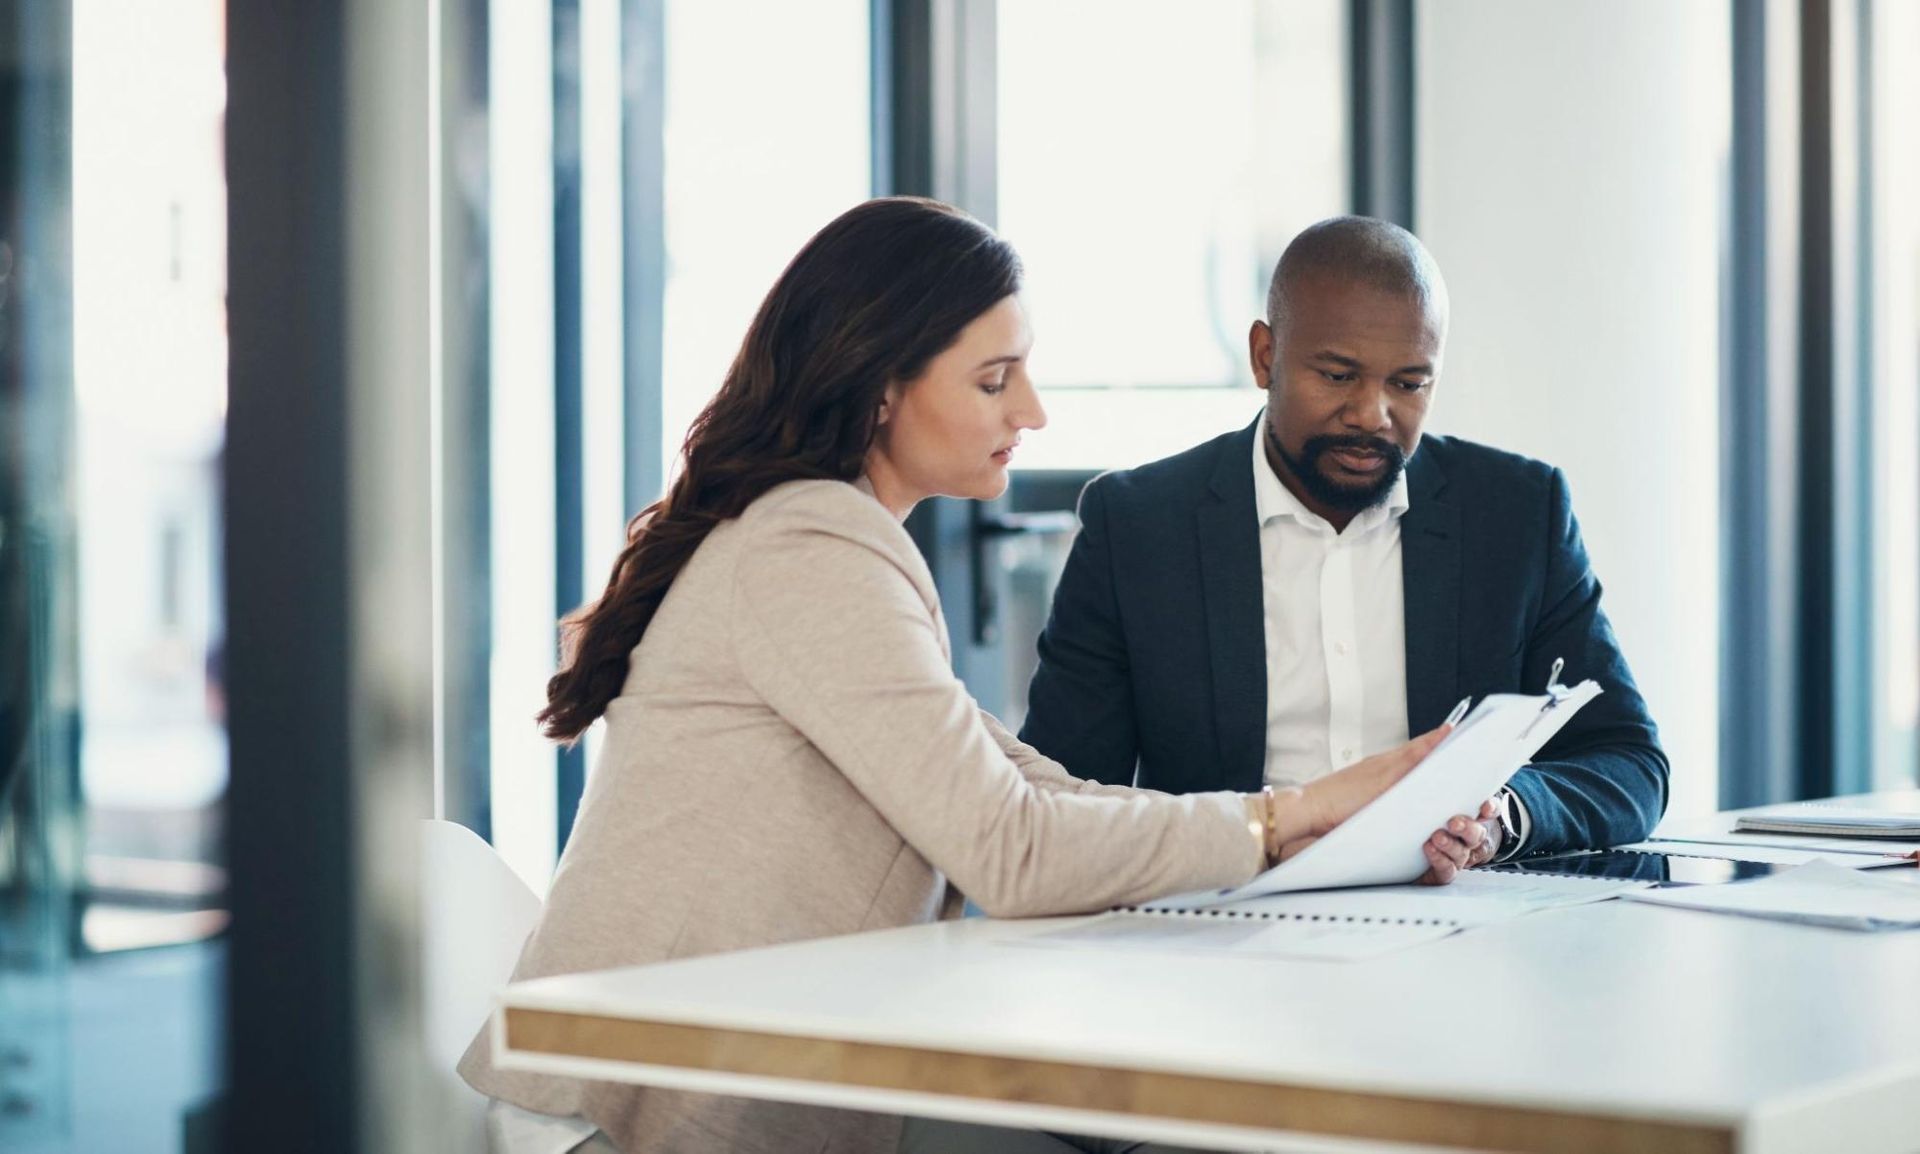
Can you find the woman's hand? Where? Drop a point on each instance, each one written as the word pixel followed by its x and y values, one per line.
pixel 1464 842
pixel 1327 801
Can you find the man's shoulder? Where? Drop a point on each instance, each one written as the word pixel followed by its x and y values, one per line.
pixel 1188 472
pixel 1476 466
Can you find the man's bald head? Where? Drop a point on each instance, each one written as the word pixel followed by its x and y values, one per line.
pixel 1349 356
pixel 1363 251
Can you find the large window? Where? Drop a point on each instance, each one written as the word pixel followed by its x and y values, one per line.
pixel 577 202
pixel 767 139
pixel 1154 159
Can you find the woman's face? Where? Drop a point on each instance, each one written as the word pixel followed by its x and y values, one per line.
pixel 952 432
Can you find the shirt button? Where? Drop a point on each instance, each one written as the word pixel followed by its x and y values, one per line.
pixel 1346 754
pixel 1340 648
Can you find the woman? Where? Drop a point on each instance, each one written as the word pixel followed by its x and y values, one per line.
pixel 788 754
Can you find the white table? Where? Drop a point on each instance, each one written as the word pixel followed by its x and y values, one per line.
pixel 1598 1028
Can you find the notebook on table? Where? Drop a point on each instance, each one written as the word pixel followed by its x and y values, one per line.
pixel 1827 820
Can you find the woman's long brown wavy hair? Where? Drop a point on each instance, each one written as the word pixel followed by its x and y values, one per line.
pixel 870 300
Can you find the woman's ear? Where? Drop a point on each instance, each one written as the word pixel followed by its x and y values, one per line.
pixel 887 401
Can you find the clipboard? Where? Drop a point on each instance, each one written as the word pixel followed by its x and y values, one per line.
pixel 1380 844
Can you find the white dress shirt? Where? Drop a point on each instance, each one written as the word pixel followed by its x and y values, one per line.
pixel 1335 610
pixel 1335 606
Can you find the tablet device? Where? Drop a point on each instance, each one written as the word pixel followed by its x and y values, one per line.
pixel 1666 868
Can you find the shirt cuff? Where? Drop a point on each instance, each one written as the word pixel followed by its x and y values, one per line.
pixel 1522 826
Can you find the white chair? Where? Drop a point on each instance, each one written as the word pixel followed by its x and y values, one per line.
pixel 475 915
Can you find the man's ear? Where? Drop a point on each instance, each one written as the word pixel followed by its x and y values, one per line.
pixel 1260 353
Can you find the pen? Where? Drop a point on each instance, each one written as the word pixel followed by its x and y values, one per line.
pixel 1459 711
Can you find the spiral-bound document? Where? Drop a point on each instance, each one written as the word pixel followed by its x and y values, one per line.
pixel 1336 924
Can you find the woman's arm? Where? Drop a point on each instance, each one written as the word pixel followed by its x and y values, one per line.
pixel 833 633
pixel 1042 772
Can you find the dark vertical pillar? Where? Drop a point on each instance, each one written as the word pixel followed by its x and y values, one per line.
pixel 1760 466
pixel 1816 774
pixel 1381 74
pixel 1796 460
pixel 292 1002
pixel 466 482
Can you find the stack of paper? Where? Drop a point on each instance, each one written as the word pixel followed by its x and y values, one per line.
pixel 1818 893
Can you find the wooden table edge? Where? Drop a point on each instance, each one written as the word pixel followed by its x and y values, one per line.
pixel 1110 1090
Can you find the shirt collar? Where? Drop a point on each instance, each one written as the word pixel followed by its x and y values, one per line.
pixel 1272 499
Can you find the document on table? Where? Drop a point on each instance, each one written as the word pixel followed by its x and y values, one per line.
pixel 1380 845
pixel 1818 893
pixel 1336 925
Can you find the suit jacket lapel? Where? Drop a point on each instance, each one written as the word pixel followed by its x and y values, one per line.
pixel 1430 570
pixel 1236 633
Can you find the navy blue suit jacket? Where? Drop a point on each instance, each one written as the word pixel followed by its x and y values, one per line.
pixel 1153 662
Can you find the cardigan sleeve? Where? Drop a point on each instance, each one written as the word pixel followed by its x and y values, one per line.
pixel 1042 772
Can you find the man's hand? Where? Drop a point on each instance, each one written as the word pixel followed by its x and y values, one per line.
pixel 1464 842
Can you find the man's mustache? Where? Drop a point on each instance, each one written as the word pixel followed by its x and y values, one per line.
pixel 1327 443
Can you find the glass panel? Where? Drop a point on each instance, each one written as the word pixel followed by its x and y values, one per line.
pixel 1894 248
pixel 38 658
pixel 1149 215
pixel 150 379
pixel 112 406
pixel 749 178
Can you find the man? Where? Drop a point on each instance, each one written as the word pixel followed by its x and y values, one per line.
pixel 1284 600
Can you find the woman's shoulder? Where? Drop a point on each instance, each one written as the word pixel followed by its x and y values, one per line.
pixel 840 506
pixel 836 525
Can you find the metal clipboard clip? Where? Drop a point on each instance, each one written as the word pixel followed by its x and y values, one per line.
pixel 1557 694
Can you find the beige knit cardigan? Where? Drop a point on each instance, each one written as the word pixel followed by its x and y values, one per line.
pixel 792 757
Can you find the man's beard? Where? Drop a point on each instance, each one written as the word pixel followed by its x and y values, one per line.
pixel 1329 492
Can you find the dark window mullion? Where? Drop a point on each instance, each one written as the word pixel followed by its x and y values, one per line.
pixel 643 68
pixel 569 489
pixel 1380 35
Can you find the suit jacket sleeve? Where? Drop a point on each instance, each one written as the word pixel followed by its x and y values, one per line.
pixel 1602 780
pixel 835 637
pixel 1080 708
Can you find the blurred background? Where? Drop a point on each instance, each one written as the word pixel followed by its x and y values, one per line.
pixel 339 340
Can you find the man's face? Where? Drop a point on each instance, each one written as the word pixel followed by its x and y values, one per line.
pixel 1348 383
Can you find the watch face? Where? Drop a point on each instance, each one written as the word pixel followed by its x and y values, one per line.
pixel 1503 808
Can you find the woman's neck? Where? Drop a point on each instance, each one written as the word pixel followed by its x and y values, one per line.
pixel 888 488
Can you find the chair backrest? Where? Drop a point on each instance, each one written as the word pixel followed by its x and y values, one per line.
pixel 475 914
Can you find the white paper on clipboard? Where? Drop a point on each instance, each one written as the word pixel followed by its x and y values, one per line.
pixel 1380 845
